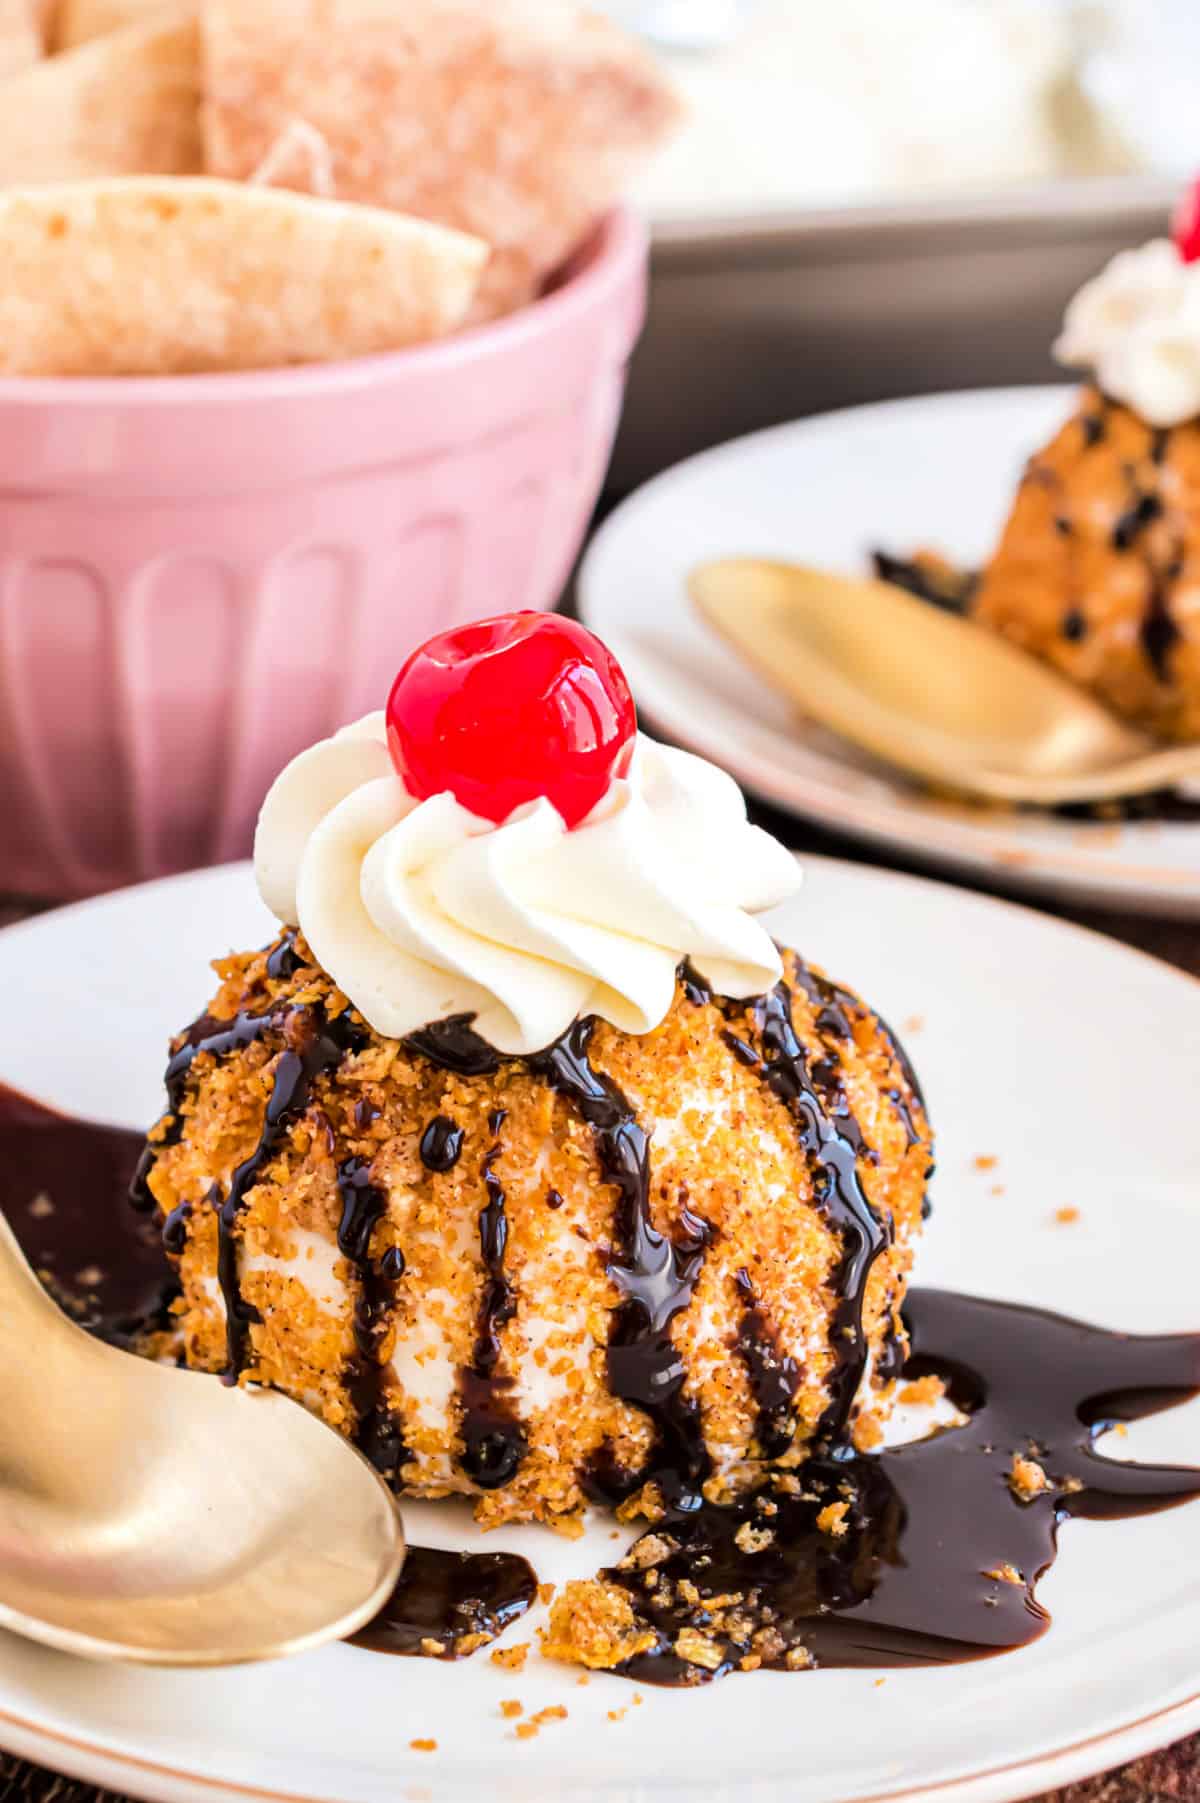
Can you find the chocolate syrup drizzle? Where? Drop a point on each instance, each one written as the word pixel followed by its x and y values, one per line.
pixel 363 1206
pixel 313 1046
pixel 441 1144
pixel 448 1604
pixel 493 1438
pixel 928 1556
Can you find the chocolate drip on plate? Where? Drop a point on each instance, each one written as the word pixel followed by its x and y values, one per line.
pixel 448 1604
pixel 64 1186
pixel 925 1554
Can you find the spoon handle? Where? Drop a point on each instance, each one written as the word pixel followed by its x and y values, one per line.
pixel 28 1320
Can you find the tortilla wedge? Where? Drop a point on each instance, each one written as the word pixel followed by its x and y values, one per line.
pixel 20 40
pixel 519 121
pixel 79 21
pixel 127 104
pixel 153 276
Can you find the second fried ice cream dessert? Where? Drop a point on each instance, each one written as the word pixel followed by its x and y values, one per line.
pixel 523 1155
pixel 1098 568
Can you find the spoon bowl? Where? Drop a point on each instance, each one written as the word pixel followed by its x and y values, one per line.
pixel 927 691
pixel 152 1514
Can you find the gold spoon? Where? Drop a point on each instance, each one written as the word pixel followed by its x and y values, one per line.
pixel 152 1514
pixel 927 691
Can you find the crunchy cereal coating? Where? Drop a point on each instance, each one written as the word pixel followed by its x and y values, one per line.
pixel 724 1152
pixel 1098 569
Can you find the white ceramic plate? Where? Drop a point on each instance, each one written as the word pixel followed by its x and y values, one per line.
pixel 940 470
pixel 1070 1059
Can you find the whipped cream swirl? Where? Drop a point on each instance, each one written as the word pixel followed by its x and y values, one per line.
pixel 422 910
pixel 1136 326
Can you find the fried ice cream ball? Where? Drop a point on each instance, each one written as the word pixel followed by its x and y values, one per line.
pixel 1098 569
pixel 625 1267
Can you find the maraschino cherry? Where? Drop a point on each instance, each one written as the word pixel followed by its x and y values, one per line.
pixel 1185 224
pixel 505 710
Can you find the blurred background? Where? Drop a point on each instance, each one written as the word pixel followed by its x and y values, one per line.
pixel 883 197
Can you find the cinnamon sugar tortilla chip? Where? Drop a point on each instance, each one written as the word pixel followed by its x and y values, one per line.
pixel 78 21
pixel 124 105
pixel 520 121
pixel 20 40
pixel 160 276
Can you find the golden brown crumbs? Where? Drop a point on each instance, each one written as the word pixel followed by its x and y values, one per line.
pixel 986 1161
pixel 527 1730
pixel 1026 1479
pixel 432 1649
pixel 510 1707
pixel 423 1746
pixel 868 1431
pixel 512 1658
pixel 832 1520
pixel 545 1593
pixel 697 1649
pixel 880 1681
pixel 651 1549
pixel 638 1698
pixel 554 1712
pixel 913 1024
pixel 1066 1216
pixel 750 1662
pixel 592 1623
pixel 1005 1574
pixel 582 1679
pixel 997 1189
pixel 798 1659
pixel 618 1715
pixel 752 1539
pixel 923 1391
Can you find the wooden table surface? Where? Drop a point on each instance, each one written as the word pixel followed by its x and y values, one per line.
pixel 1172 1776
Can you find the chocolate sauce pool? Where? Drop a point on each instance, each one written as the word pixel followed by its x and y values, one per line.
pixel 448 1604
pixel 920 1555
pixel 924 1555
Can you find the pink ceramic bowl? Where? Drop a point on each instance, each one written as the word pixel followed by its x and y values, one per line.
pixel 201 575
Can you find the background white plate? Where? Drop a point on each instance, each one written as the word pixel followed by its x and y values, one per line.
pixel 939 471
pixel 1066 1056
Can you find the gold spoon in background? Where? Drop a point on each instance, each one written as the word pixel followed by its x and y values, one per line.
pixel 927 691
pixel 152 1514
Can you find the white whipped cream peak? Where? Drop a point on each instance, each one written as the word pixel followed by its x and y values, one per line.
pixel 1136 326
pixel 420 910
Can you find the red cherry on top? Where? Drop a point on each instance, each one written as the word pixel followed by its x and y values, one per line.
pixel 1185 224
pixel 504 710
